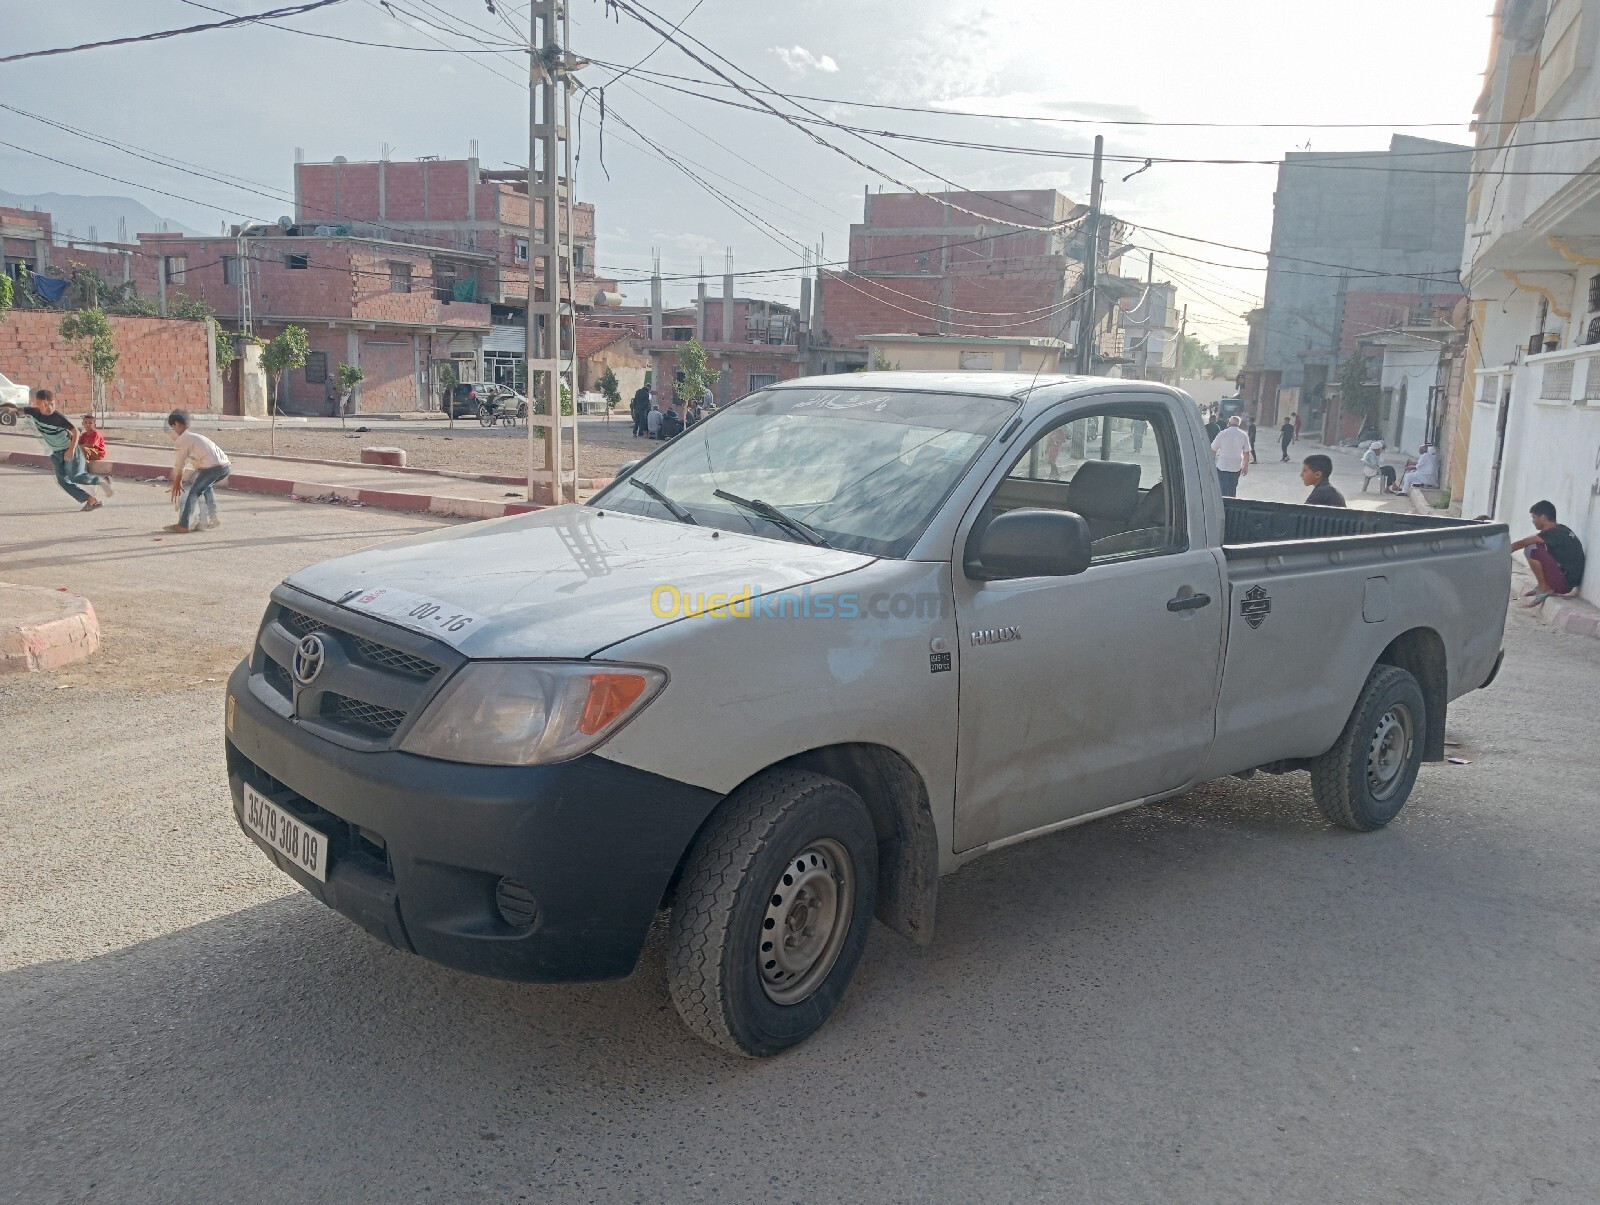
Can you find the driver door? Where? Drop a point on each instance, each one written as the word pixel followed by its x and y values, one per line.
pixel 1081 693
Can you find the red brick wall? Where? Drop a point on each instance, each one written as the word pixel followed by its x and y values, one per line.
pixel 983 303
pixel 165 363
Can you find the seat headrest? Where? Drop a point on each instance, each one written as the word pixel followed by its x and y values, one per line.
pixel 1104 489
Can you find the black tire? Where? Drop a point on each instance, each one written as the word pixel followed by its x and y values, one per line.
pixel 732 894
pixel 485 415
pixel 8 418
pixel 1365 779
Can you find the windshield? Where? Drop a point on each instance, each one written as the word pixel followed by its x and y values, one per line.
pixel 866 469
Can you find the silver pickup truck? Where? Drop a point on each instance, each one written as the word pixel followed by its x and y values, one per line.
pixel 816 652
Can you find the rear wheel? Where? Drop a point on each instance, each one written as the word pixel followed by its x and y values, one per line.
pixel 1365 779
pixel 772 912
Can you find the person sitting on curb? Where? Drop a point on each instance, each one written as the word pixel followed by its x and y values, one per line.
pixel 1554 554
pixel 1315 471
pixel 211 466
pixel 63 439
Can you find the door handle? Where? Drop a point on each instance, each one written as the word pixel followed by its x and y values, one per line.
pixel 1191 603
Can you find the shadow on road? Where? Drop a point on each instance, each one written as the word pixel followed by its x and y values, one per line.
pixel 1172 977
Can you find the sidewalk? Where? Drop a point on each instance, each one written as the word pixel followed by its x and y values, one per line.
pixel 315 481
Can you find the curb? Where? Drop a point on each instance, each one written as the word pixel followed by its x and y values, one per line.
pixel 56 629
pixel 584 483
pixel 312 491
pixel 1570 615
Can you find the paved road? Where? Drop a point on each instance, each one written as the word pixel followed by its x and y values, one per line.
pixel 1215 999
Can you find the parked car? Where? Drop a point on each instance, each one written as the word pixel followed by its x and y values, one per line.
pixel 13 398
pixel 826 646
pixel 472 399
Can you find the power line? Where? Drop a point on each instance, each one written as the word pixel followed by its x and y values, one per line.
pixel 292 11
pixel 1102 121
pixel 652 22
pixel 329 37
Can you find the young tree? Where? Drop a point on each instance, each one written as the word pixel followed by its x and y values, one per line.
pixel 347 378
pixel 697 375
pixel 881 362
pixel 6 295
pixel 284 354
pixel 1355 395
pixel 609 388
pixel 89 334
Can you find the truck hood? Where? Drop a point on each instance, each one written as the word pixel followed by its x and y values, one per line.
pixel 564 582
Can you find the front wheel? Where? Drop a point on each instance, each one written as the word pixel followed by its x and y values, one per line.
pixel 1365 779
pixel 8 417
pixel 485 415
pixel 772 912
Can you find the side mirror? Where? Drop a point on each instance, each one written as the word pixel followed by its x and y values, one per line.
pixel 1035 543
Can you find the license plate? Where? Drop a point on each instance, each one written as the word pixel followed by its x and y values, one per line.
pixel 305 847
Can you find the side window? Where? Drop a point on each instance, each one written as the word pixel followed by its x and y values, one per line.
pixel 1118 469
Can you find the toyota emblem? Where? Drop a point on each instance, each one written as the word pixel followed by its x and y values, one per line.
pixel 309 656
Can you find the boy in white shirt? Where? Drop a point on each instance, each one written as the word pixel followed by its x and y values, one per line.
pixel 211 466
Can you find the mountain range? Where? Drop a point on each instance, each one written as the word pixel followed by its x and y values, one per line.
pixel 78 216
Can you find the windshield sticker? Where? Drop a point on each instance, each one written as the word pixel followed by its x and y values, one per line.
pixel 416 611
pixel 1255 606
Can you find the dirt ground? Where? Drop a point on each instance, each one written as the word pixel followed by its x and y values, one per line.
pixel 469 448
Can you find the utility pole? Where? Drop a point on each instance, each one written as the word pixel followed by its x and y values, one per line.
pixel 1183 341
pixel 549 69
pixel 1149 303
pixel 1091 265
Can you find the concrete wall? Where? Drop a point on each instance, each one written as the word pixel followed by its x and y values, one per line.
pixel 1345 209
pixel 932 356
pixel 1552 446
pixel 165 363
pixel 1418 371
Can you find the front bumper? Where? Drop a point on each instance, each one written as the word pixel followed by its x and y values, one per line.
pixel 418 848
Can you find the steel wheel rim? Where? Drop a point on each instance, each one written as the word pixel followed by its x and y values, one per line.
pixel 1389 752
pixel 808 913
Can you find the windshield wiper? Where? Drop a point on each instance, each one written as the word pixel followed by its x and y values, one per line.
pixel 772 514
pixel 678 513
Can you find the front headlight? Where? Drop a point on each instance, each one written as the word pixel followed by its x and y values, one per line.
pixel 525 713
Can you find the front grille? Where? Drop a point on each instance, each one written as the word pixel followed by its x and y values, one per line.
pixel 398 660
pixel 356 714
pixel 279 678
pixel 300 625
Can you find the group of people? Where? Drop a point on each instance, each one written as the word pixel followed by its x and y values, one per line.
pixel 1422 470
pixel 73 449
pixel 652 420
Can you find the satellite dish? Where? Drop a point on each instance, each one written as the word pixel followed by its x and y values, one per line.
pixel 286 223
pixel 340 159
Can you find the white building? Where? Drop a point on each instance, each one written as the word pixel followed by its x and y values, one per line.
pixel 1528 423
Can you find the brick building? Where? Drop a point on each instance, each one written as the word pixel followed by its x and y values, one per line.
pixel 921 266
pixel 750 343
pixel 391 309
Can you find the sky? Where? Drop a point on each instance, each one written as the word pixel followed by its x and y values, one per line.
pixel 238 103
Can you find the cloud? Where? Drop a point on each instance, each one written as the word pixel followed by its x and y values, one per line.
pixel 800 60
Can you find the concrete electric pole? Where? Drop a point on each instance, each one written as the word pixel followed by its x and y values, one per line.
pixel 552 333
pixel 1091 265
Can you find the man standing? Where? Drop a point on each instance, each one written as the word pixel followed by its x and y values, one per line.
pixel 1253 457
pixel 1315 471
pixel 1213 427
pixel 1285 438
pixel 1554 554
pixel 59 435
pixel 640 408
pixel 1231 450
pixel 210 466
